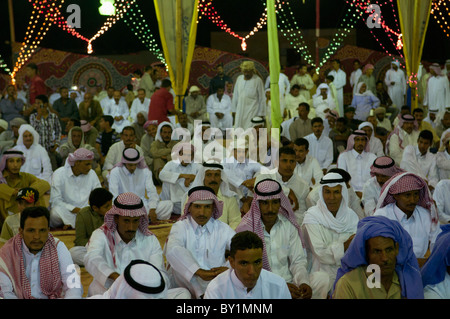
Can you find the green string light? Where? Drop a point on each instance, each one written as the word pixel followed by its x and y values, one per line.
pixel 4 66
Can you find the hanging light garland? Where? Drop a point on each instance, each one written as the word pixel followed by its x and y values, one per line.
pixel 206 9
pixel 135 20
pixel 294 34
pixel 42 12
pixel 436 11
pixel 361 6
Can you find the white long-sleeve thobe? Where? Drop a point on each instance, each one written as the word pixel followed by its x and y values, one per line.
pixel 443 164
pixel 438 93
pixel 120 109
pixel 397 90
pixel 395 151
pixel 238 172
pixel 442 199
pixel 191 247
pixel 214 105
pixel 321 149
pixel 340 80
pixel 249 100
pixel 358 166
pixel 371 193
pixel 68 192
pixel 37 161
pixel 139 183
pixel 308 170
pixel 418 226
pixel 423 165
pixel 139 106
pixel 228 286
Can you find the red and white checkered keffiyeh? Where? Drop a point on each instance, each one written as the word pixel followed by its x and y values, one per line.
pixel 80 154
pixel 351 140
pixel 397 130
pixel 201 193
pixel 11 257
pixel 406 182
pixel 129 205
pixel 384 165
pixel 252 219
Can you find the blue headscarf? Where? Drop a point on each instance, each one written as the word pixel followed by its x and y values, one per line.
pixel 433 272
pixel 406 267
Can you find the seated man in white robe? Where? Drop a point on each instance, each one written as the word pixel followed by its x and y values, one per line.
pixel 131 175
pixel 357 159
pixel 294 187
pixel 128 139
pixel 376 146
pixel 440 196
pixel 140 104
pixel 307 167
pixel 419 160
pixel 443 157
pixel 218 106
pixel 198 242
pixel 70 188
pixel 139 280
pixel 178 174
pixel 124 237
pixel 381 170
pixel 329 227
pixel 35 265
pixel 120 112
pixel 404 134
pixel 407 199
pixel 272 219
pixel 37 159
pixel 212 175
pixel 320 146
pixel 247 279
pixel 242 171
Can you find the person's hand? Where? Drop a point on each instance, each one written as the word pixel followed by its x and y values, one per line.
pixel 206 275
pixel 114 276
pixel 76 210
pixel 219 270
pixel 293 199
pixel 188 179
pixel 152 215
pixel 219 115
pixel 348 241
pixel 392 83
pixel 249 183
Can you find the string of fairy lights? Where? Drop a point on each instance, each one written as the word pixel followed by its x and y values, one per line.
pixel 440 15
pixel 48 12
pixel 139 26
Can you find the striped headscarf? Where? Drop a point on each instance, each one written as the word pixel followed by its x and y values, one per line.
pixel 405 182
pixel 81 154
pixel 384 165
pixel 202 193
pixel 129 205
pixel 12 265
pixel 267 189
pixel 406 118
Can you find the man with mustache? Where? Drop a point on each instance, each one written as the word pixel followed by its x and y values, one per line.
pixel 34 264
pixel 382 243
pixel 197 244
pixel 123 237
pixel 381 170
pixel 405 197
pixel 272 219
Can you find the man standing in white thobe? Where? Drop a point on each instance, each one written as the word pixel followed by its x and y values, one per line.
pixel 355 75
pixel 131 175
pixel 70 188
pixel 437 95
pixel 107 101
pixel 198 241
pixel 249 98
pixel 396 84
pixel 340 80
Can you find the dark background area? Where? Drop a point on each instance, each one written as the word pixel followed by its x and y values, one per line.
pixel 240 15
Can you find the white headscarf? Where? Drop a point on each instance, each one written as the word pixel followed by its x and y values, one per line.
pixel 346 219
pixel 27 127
pixel 158 132
pixel 366 92
pixel 322 86
pixel 224 186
